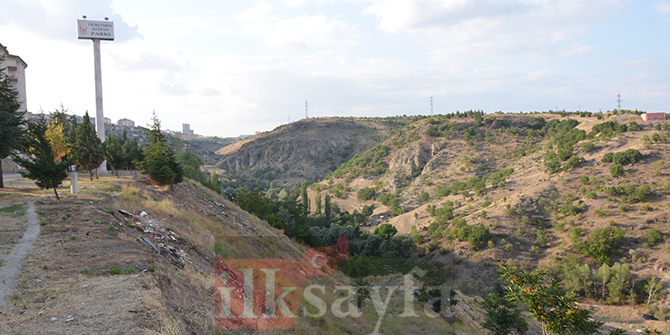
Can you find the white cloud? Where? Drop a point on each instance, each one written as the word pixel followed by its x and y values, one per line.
pixel 663 7
pixel 296 33
pixel 175 27
pixel 459 29
pixel 56 19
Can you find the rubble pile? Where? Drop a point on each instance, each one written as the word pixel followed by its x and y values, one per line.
pixel 157 238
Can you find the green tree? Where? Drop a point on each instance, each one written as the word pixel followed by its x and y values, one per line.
pixel 132 153
pixel 11 119
pixel 214 178
pixel 549 303
pixel 478 235
pixel 191 164
pixel 502 315
pixel 652 287
pixel 159 161
pixel 327 209
pixel 317 201
pixel 616 170
pixel 654 236
pixel 41 162
pixel 90 152
pixel 603 276
pixel 366 193
pixel 619 282
pixel 304 198
pixel 386 231
pixel 114 154
pixel 602 242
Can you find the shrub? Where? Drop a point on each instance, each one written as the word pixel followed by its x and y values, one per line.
pixel 602 242
pixel 588 147
pixel 616 170
pixel 115 271
pixel 366 193
pixel 654 236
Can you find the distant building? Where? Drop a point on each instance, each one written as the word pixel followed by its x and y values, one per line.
pixel 653 116
pixel 186 129
pixel 16 70
pixel 108 121
pixel 126 123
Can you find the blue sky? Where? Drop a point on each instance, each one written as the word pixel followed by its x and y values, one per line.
pixel 235 67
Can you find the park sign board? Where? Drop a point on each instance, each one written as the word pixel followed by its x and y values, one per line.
pixel 103 30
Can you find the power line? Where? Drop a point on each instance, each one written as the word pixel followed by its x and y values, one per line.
pixel 618 107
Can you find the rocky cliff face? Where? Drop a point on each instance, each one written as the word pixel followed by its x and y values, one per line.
pixel 304 150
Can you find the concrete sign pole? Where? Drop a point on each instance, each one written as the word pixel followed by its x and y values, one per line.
pixel 96 31
pixel 99 115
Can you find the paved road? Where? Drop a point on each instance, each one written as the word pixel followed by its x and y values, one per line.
pixel 12 262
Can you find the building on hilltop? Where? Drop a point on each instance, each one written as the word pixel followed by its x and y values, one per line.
pixel 16 70
pixel 107 121
pixel 126 123
pixel 186 129
pixel 652 116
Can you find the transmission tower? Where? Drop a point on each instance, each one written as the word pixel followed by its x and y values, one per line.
pixel 618 107
pixel 431 105
pixel 306 116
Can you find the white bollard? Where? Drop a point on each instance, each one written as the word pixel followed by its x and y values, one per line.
pixel 74 182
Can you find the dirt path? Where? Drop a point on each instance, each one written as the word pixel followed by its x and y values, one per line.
pixel 12 263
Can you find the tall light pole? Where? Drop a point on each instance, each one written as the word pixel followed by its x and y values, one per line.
pixel 96 31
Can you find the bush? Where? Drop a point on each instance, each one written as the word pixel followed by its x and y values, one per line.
pixel 654 236
pixel 479 234
pixel 366 193
pixel 602 242
pixel 629 156
pixel 616 170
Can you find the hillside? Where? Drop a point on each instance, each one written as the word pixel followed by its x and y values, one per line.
pixel 125 257
pixel 445 176
pixel 304 150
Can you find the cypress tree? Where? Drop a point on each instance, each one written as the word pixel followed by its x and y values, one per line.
pixel 326 208
pixel 90 150
pixel 317 200
pixel 305 198
pixel 11 119
pixel 41 162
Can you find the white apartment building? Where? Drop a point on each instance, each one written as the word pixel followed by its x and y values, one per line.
pixel 16 69
pixel 126 123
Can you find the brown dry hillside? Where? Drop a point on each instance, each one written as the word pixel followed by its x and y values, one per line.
pixel 92 269
pixel 305 150
pixel 420 169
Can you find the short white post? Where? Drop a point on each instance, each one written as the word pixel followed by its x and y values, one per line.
pixel 74 182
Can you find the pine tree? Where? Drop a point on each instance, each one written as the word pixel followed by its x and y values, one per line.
pixel 159 162
pixel 132 154
pixel 90 150
pixel 11 119
pixel 114 154
pixel 620 281
pixel 41 164
pixel 603 276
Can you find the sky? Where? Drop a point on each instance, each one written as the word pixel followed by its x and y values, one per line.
pixel 231 68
